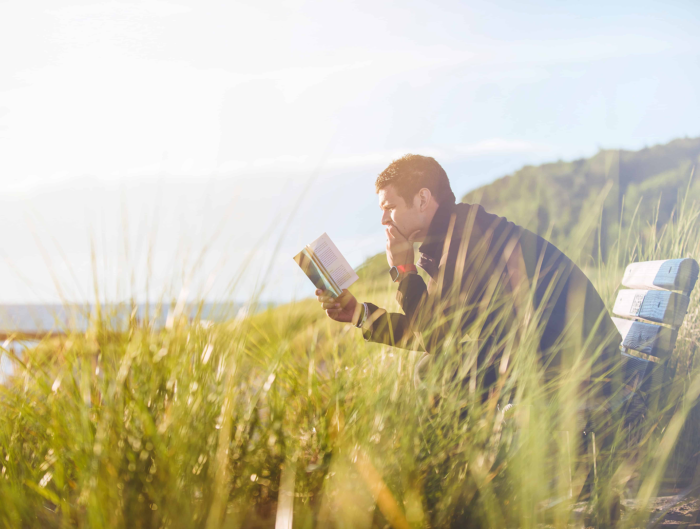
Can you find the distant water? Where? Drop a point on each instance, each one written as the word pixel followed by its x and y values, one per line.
pixel 60 318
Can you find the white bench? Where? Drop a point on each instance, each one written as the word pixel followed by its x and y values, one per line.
pixel 651 310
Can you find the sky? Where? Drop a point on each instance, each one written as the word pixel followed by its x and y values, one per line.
pixel 159 148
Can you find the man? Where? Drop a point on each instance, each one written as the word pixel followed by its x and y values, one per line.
pixel 492 285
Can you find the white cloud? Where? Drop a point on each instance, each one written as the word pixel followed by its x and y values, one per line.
pixel 158 8
pixel 275 166
pixel 501 146
pixel 446 152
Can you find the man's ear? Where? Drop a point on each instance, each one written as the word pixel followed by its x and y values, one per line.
pixel 424 196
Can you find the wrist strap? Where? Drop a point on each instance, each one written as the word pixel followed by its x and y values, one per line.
pixel 363 316
pixel 406 268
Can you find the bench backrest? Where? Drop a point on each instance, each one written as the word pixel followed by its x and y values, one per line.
pixel 652 308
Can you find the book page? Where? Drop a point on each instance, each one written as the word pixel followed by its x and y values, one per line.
pixel 334 262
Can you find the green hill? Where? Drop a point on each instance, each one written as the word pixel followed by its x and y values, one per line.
pixel 561 196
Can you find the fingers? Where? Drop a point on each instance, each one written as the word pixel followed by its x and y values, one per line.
pixel 324 296
pixel 333 313
pixel 392 232
pixel 339 302
pixel 335 308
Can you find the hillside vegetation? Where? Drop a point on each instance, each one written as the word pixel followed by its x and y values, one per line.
pixel 561 196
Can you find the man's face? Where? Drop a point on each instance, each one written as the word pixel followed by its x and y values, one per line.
pixel 407 218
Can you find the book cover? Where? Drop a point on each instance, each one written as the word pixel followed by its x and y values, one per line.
pixel 325 266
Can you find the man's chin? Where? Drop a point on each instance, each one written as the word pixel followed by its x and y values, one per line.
pixel 400 231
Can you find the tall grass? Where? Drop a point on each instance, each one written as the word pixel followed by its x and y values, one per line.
pixel 217 425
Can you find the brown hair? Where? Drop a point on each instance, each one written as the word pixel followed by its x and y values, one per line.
pixel 411 173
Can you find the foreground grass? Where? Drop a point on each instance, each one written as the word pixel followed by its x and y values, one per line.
pixel 195 425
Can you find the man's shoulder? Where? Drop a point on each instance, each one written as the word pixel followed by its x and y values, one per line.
pixel 484 221
pixel 481 222
pixel 465 211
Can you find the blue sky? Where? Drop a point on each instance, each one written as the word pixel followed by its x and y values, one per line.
pixel 162 121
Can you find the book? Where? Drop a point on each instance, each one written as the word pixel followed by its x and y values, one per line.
pixel 325 266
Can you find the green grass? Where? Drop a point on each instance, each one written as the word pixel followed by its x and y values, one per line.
pixel 193 425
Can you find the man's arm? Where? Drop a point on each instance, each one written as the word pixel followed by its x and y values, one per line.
pixel 377 324
pixel 411 294
pixel 392 328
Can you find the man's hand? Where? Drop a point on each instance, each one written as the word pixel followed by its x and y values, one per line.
pixel 344 308
pixel 399 249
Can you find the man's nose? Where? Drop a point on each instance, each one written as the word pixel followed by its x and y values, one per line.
pixel 386 218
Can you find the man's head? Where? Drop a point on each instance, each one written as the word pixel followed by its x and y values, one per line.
pixel 410 191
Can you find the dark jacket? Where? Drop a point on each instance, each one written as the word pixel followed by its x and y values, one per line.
pixel 489 278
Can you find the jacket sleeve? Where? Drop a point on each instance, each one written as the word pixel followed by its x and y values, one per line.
pixel 392 328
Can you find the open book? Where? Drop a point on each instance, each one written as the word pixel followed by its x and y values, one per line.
pixel 323 263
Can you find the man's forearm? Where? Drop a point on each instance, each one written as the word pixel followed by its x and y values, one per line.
pixel 389 328
pixel 411 295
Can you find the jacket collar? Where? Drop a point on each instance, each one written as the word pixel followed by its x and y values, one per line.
pixel 432 247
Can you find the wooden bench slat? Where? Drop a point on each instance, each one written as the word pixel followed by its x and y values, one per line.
pixel 661 306
pixel 670 274
pixel 646 338
pixel 640 373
